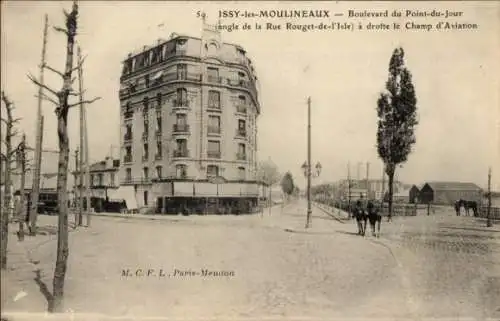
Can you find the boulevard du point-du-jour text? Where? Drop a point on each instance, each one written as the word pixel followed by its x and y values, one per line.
pixel 351 20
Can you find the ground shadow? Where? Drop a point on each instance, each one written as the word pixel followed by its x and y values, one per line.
pixel 348 233
pixel 306 232
pixel 44 289
pixel 469 229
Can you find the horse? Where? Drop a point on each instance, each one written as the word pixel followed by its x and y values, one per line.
pixel 470 205
pixel 360 215
pixel 374 217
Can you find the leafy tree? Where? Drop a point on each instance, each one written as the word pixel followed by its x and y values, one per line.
pixel 397 118
pixel 287 185
pixel 268 174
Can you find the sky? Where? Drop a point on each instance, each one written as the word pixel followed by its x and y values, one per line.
pixel 455 74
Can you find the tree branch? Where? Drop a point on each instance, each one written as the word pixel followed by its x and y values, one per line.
pixel 45 97
pixel 84 102
pixel 54 70
pixel 59 29
pixel 80 64
pixel 33 79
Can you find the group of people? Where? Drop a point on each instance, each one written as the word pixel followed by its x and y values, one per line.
pixel 362 215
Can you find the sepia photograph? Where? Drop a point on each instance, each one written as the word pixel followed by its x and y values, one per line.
pixel 250 160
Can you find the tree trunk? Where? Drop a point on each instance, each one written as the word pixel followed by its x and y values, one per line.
pixel 7 190
pixel 62 177
pixel 21 215
pixel 390 175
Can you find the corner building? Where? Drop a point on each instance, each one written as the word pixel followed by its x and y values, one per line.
pixel 189 109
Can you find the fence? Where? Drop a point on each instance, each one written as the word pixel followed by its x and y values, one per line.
pixel 494 212
pixel 398 209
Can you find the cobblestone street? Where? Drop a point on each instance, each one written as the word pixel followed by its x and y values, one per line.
pixel 435 266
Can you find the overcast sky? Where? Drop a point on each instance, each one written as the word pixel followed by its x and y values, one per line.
pixel 455 74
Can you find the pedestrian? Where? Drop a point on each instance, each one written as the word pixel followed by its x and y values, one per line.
pixel 360 215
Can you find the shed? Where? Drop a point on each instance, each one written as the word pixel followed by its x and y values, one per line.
pixel 446 193
pixel 413 196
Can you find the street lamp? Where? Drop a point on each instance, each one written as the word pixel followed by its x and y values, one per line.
pixel 308 173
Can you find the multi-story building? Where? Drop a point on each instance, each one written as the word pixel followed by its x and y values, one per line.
pixel 189 109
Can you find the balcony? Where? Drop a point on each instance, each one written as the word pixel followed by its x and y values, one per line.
pixel 180 103
pixel 145 135
pixel 144 158
pixel 211 154
pixel 181 128
pixel 242 109
pixel 127 138
pixel 158 132
pixel 214 107
pixel 241 156
pixel 128 114
pixel 181 153
pixel 214 79
pixel 174 76
pixel 127 159
pixel 158 157
pixel 241 132
pixel 214 130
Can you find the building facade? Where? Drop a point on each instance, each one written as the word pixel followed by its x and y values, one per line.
pixel 189 109
pixel 447 193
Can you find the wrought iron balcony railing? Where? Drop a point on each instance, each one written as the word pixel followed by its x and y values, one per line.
pixel 181 153
pixel 212 154
pixel 181 128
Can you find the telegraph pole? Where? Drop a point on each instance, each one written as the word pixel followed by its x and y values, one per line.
pixel 309 210
pixel 78 194
pixel 349 189
pixel 35 188
pixel 488 214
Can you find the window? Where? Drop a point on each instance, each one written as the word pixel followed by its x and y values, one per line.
pixel 128 174
pixel 181 100
pixel 212 170
pixel 181 171
pixel 214 99
pixel 213 74
pixel 145 198
pixel 181 71
pixel 181 148
pixel 213 124
pixel 213 149
pixel 112 181
pixel 241 173
pixel 241 150
pixel 145 173
pixel 212 48
pixel 92 180
pixel 241 125
pixel 181 119
pixel 146 80
pixel 243 100
pixel 158 171
pixel 145 102
pixel 100 181
pixel 128 132
pixel 145 151
pixel 158 149
pixel 128 154
pixel 158 99
pixel 158 122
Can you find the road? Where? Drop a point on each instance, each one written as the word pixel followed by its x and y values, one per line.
pixel 272 267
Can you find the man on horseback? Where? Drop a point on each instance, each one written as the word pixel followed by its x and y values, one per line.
pixel 360 215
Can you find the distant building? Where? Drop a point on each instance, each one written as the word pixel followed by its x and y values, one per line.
pixel 374 188
pixel 446 193
pixel 189 109
pixel 103 177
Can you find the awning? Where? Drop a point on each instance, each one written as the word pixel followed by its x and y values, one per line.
pixel 124 193
pixel 158 75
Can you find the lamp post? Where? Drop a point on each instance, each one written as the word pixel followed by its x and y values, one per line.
pixel 306 167
pixel 488 213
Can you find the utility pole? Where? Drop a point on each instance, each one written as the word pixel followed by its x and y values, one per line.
pixel 309 210
pixel 78 194
pixel 84 144
pixel 349 189
pixel 35 188
pixel 488 213
pixel 367 180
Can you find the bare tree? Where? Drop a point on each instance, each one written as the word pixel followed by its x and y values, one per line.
pixel 7 159
pixel 61 100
